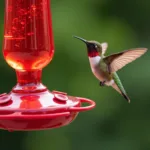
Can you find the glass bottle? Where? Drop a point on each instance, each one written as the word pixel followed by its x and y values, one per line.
pixel 28 41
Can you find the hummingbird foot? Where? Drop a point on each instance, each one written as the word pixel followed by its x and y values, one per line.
pixel 102 83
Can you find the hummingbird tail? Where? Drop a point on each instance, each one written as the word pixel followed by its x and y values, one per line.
pixel 126 97
pixel 115 86
pixel 119 87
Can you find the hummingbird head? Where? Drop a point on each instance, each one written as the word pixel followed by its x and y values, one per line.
pixel 94 48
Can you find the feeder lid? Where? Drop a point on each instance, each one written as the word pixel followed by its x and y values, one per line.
pixel 49 101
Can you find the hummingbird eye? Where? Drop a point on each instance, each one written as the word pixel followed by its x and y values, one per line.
pixel 96 46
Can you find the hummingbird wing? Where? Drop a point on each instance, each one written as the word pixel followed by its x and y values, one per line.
pixel 104 47
pixel 119 60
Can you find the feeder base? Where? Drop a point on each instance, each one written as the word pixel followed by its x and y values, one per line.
pixel 39 111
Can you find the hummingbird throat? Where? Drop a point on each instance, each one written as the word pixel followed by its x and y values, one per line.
pixel 93 53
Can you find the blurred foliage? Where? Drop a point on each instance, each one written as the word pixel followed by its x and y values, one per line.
pixel 113 124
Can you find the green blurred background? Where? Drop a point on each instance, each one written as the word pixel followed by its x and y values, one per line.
pixel 113 124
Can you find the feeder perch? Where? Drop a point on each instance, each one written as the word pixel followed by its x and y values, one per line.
pixel 28 47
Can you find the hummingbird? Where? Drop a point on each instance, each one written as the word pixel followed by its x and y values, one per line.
pixel 104 67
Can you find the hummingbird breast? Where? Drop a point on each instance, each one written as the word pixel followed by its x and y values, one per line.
pixel 99 69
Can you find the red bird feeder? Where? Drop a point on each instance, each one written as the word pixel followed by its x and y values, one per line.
pixel 28 47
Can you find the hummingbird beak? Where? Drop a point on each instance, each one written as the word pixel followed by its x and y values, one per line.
pixel 85 41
